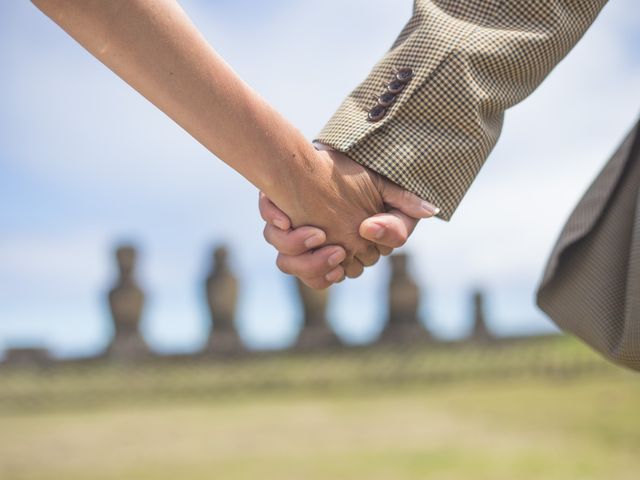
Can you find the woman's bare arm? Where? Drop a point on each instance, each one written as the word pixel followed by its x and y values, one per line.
pixel 153 46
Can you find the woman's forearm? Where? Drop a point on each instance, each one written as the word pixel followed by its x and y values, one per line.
pixel 153 46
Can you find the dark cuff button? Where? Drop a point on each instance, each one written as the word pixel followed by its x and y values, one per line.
pixel 386 99
pixel 395 86
pixel 404 74
pixel 376 113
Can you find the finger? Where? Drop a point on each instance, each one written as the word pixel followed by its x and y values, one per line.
pixel 334 276
pixel 296 241
pixel 407 202
pixel 384 251
pixel 354 268
pixel 369 257
pixel 391 229
pixel 271 214
pixel 312 264
pixel 318 283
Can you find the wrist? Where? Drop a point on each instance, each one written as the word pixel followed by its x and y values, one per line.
pixel 308 185
pixel 294 179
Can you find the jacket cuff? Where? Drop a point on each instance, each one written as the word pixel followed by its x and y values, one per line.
pixel 434 145
pixel 403 141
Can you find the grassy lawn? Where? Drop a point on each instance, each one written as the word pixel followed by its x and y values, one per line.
pixel 583 427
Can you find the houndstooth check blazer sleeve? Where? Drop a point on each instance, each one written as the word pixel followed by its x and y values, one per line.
pixel 471 60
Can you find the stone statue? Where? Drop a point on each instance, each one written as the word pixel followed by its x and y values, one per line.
pixel 315 331
pixel 403 322
pixel 126 302
pixel 480 331
pixel 222 298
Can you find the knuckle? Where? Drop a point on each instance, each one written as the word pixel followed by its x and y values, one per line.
pixel 367 260
pixel 372 260
pixel 354 269
pixel 409 201
pixel 361 246
pixel 263 206
pixel 285 249
pixel 266 233
pixel 401 240
pixel 282 264
pixel 318 269
pixel 294 244
pixel 280 241
pixel 406 196
pixel 309 265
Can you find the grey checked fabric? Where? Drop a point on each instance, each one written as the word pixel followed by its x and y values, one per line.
pixel 472 60
pixel 591 286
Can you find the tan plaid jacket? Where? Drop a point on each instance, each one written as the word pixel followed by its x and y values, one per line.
pixel 431 110
pixel 470 60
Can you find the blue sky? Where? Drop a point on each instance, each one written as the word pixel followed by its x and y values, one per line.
pixel 85 162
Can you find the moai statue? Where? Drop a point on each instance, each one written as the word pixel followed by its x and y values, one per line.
pixel 315 331
pixel 403 322
pixel 126 302
pixel 222 298
pixel 480 332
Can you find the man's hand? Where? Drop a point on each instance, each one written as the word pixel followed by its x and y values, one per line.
pixel 299 248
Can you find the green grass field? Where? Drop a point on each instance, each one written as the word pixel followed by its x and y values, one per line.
pixel 561 427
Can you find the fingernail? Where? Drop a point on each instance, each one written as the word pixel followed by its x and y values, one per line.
pixel 430 209
pixel 377 231
pixel 333 276
pixel 314 240
pixel 281 224
pixel 336 258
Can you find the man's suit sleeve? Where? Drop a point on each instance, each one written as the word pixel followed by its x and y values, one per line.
pixel 470 60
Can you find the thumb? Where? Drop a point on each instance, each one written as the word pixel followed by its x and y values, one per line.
pixel 407 202
pixel 391 229
pixel 271 214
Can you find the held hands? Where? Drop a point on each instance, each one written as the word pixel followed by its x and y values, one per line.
pixel 357 215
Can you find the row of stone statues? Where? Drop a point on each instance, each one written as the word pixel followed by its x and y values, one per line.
pixel 126 303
